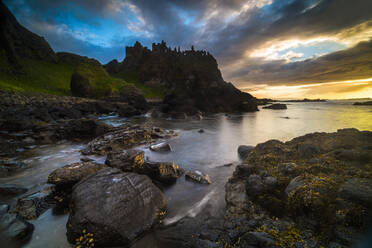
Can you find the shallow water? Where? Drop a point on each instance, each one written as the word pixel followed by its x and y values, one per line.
pixel 207 152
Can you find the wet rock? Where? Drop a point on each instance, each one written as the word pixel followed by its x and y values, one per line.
pixel 358 191
pixel 32 206
pixel 115 207
pixel 12 189
pixel 201 131
pixel 133 161
pixel 255 186
pixel 126 160
pixel 161 147
pixel 243 151
pixel 14 231
pixel 125 137
pixel 166 173
pixel 276 106
pixel 86 159
pixel 68 175
pixel 198 176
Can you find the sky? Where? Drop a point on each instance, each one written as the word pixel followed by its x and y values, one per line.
pixel 269 48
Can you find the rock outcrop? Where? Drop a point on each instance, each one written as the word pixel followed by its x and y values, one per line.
pixel 114 207
pixel 318 188
pixel 192 79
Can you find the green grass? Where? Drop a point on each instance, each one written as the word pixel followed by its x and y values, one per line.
pixel 54 78
pixel 39 77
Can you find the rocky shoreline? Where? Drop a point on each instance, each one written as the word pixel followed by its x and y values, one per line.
pixel 312 191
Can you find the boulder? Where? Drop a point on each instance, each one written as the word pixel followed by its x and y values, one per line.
pixel 243 151
pixel 32 206
pixel 114 207
pixel 166 173
pixel 198 176
pixel 276 106
pixel 80 86
pixel 161 147
pixel 126 160
pixel 126 137
pixel 11 189
pixel 358 191
pixel 133 161
pixel 68 175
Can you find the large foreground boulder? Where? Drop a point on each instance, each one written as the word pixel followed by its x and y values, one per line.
pixel 114 207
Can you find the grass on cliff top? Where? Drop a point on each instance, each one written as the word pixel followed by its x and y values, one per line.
pixel 54 78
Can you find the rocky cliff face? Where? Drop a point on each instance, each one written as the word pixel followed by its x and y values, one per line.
pixel 17 42
pixel 192 79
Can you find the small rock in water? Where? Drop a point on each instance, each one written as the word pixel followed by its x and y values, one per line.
pixel 30 147
pixel 198 177
pixel 161 147
pixel 86 159
pixel 228 165
pixel 201 131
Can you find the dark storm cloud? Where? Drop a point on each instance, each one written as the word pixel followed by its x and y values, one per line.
pixel 227 28
pixel 348 64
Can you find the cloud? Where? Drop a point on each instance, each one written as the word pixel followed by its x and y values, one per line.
pixel 256 42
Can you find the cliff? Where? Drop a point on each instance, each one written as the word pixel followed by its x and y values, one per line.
pixel 191 79
pixel 17 42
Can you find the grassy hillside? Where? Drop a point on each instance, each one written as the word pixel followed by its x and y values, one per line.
pixel 54 78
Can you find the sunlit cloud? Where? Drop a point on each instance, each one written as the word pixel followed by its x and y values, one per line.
pixel 361 88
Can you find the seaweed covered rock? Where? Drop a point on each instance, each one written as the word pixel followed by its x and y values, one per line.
pixel 317 187
pixel 113 208
pixel 68 175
